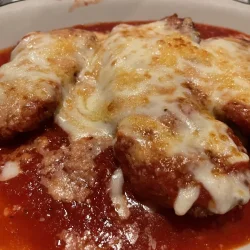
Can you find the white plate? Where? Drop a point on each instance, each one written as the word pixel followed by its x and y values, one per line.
pixel 20 18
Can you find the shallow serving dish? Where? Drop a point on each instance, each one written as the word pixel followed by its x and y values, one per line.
pixel 20 18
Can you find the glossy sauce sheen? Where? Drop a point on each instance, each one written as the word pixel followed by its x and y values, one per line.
pixel 37 219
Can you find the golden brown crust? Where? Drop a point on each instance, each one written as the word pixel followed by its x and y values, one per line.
pixel 22 113
pixel 42 70
pixel 185 26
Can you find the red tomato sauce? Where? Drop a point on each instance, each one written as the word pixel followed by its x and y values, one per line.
pixel 31 219
pixel 5 55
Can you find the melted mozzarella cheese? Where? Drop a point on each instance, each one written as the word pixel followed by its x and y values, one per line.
pixel 43 62
pixel 27 66
pixel 185 199
pixel 10 170
pixel 142 71
pixel 79 115
pixel 227 76
pixel 116 194
pixel 227 190
pixel 199 130
pixel 118 82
